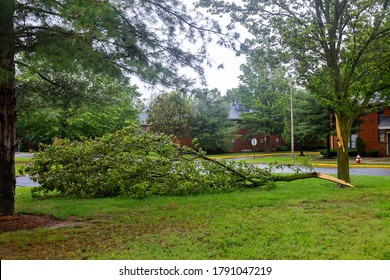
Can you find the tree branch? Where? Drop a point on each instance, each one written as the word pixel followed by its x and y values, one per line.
pixel 312 175
pixel 287 178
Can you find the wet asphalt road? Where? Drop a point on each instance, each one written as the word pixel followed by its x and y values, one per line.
pixel 333 170
pixel 25 181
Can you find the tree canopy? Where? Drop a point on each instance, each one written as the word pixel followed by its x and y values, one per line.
pixel 312 121
pixel 143 38
pixel 170 113
pixel 340 50
pixel 210 124
pixel 86 105
pixel 263 89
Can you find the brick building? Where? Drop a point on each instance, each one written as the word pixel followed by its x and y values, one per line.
pixel 242 143
pixel 375 131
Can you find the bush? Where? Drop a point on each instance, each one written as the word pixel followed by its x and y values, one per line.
pixel 333 153
pixel 373 153
pixel 134 164
pixel 354 153
pixel 282 148
pixel 360 146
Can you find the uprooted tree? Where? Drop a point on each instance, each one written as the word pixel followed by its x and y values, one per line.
pixel 136 164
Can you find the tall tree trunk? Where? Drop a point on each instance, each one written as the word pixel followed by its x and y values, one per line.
pixel 328 146
pixel 301 152
pixel 267 143
pixel 343 129
pixel 7 109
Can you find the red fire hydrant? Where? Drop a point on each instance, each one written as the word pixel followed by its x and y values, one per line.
pixel 358 159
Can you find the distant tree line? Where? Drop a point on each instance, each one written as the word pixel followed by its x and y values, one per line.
pixel 202 116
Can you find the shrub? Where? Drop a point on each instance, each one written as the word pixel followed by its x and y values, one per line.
pixel 353 152
pixel 373 153
pixel 282 148
pixel 333 153
pixel 134 164
pixel 360 146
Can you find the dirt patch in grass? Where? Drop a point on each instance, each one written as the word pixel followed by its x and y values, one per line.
pixel 31 222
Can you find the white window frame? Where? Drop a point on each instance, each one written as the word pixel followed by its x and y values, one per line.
pixel 352 141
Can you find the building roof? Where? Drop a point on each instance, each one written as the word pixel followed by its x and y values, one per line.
pixel 143 118
pixel 235 111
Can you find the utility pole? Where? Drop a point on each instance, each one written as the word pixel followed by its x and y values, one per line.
pixel 292 119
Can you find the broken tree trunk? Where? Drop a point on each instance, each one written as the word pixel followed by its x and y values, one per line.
pixel 313 175
pixel 286 178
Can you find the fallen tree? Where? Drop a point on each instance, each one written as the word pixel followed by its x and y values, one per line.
pixel 136 164
pixel 286 178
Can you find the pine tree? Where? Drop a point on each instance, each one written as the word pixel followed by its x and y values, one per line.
pixel 115 38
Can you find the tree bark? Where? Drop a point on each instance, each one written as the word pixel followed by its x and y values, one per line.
pixel 7 109
pixel 285 178
pixel 267 143
pixel 343 129
pixel 290 178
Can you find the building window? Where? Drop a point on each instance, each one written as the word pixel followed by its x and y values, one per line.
pixel 352 141
pixel 382 136
pixel 381 116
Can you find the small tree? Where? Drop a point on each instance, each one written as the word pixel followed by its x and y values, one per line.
pixel 263 89
pixel 311 120
pixel 86 105
pixel 170 114
pixel 360 146
pixel 209 122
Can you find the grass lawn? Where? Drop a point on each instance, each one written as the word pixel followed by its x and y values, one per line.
pixel 307 219
pixel 20 162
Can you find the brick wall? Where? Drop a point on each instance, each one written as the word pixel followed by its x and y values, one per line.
pixel 242 143
pixel 369 132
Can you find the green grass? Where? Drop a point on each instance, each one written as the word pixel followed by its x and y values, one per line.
pixel 22 159
pixel 307 219
pixel 21 162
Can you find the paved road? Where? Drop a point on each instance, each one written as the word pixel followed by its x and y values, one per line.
pixel 25 181
pixel 333 170
pixel 25 155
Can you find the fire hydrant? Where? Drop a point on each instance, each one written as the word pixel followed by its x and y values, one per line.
pixel 358 159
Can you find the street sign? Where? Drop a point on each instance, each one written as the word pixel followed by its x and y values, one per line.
pixel 254 141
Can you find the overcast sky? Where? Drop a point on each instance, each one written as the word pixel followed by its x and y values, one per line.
pixel 227 77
